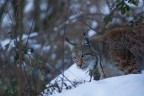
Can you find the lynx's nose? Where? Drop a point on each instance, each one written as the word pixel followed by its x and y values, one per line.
pixel 79 65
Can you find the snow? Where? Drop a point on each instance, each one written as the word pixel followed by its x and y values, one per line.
pixel 55 29
pixel 116 21
pixel 73 18
pixel 46 48
pixel 4 42
pixel 33 34
pixel 24 37
pixel 88 2
pixel 43 6
pixel 2 1
pixel 94 24
pixel 127 85
pixel 72 74
pixel 140 4
pixel 6 21
pixel 93 9
pixel 36 46
pixel 75 7
pixel 53 56
pixel 130 85
pixel 29 6
pixel 105 10
pixel 91 33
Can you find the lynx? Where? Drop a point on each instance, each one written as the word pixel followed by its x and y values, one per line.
pixel 119 51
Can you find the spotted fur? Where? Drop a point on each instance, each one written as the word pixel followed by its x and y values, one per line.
pixel 120 51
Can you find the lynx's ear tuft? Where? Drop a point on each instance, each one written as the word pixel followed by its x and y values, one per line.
pixel 86 41
pixel 71 45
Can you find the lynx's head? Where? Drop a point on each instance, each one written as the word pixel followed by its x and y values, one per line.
pixel 82 54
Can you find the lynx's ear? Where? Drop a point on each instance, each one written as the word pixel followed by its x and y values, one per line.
pixel 71 45
pixel 86 41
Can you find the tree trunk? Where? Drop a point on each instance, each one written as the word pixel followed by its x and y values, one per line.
pixel 20 32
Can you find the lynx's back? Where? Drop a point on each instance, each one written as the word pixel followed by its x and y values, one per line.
pixel 125 46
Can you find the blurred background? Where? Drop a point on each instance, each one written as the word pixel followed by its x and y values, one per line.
pixel 46 23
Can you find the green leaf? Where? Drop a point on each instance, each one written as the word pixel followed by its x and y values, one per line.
pixel 32 50
pixel 11 34
pixel 127 8
pixel 41 76
pixel 102 32
pixel 43 86
pixel 5 87
pixel 11 91
pixel 1 83
pixel 16 56
pixel 14 82
pixel 107 19
pixel 30 70
pixel 122 11
pixel 25 50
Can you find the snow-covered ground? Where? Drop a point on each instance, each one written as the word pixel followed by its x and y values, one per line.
pixel 128 85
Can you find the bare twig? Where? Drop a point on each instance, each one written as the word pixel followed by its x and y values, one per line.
pixel 26 76
pixel 37 56
pixel 76 16
pixel 66 18
pixel 20 74
pixel 30 31
pixel 6 80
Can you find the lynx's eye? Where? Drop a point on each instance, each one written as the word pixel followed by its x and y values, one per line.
pixel 74 58
pixel 83 56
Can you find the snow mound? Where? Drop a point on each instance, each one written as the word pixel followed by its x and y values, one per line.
pixel 127 85
pixel 76 74
pixel 130 85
